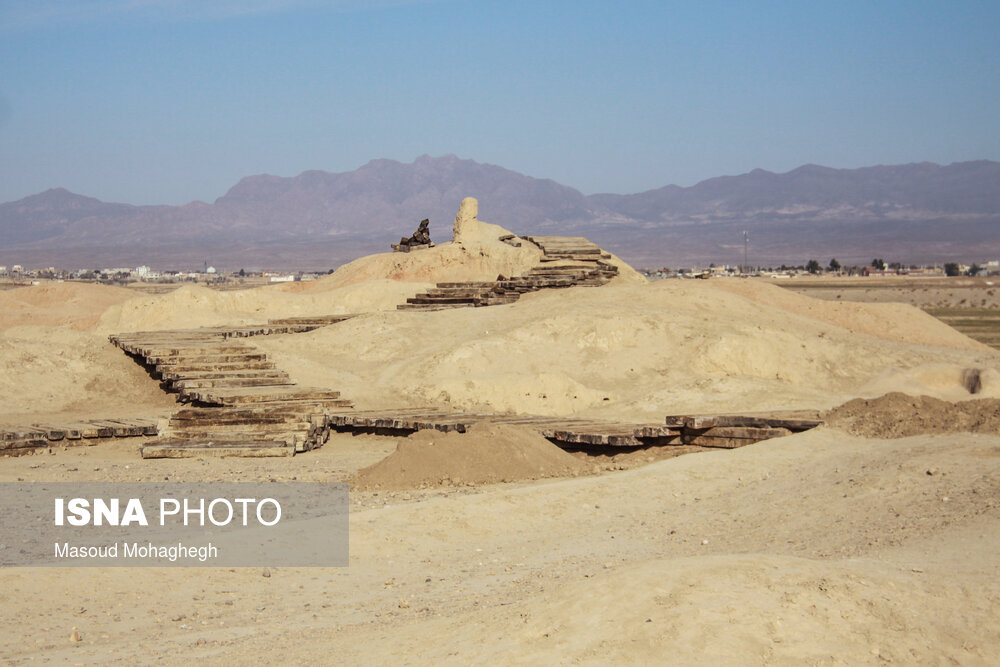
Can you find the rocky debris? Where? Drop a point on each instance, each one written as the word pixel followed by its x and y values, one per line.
pixel 420 239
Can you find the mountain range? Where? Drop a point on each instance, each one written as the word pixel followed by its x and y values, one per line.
pixel 317 220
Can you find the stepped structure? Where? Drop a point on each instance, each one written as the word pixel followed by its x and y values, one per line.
pixel 241 404
pixel 567 261
pixel 718 431
pixel 17 441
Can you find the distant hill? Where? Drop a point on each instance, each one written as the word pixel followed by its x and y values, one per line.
pixel 911 213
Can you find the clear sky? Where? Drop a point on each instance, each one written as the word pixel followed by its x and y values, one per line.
pixel 169 101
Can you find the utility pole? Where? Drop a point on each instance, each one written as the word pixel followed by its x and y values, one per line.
pixel 746 240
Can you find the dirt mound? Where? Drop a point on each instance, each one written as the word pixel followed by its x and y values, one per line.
pixel 476 254
pixel 631 353
pixel 60 371
pixel 448 262
pixel 194 306
pixel 899 415
pixel 890 321
pixel 485 454
pixel 75 305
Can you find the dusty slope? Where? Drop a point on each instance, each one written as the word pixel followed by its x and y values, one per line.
pixel 638 352
pixel 475 254
pixel 60 374
pixel 891 321
pixel 194 306
pixel 817 548
pixel 76 305
pixel 448 262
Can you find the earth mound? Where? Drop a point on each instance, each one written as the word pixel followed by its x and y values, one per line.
pixel 76 305
pixel 635 353
pixel 65 375
pixel 486 453
pixel 194 306
pixel 899 415
pixel 477 253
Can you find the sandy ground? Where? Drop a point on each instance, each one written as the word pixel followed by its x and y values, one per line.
pixel 638 352
pixel 819 548
pixel 931 292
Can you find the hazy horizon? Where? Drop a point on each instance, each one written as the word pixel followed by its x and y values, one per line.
pixel 435 157
pixel 173 101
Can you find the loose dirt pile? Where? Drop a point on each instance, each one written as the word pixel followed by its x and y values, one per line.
pixel 899 415
pixel 485 454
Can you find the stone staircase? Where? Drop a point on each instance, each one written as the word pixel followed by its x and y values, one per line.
pixel 566 262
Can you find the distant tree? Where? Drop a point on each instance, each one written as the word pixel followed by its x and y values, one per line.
pixel 812 266
pixel 834 264
pixel 895 265
pixel 951 269
pixel 878 264
pixel 974 269
pixel 242 273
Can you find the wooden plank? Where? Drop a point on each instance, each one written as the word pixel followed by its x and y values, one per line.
pixel 756 421
pixel 24 443
pixel 746 432
pixel 234 397
pixel 22 433
pixel 750 422
pixel 216 449
pixel 722 443
pixel 730 437
pixel 225 374
pixel 53 433
pixel 214 367
pixel 232 383
pixel 228 358
pixel 120 429
pixel 313 319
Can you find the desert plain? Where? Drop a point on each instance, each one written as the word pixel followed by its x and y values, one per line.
pixel 871 539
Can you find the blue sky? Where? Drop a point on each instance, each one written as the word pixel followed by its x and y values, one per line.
pixel 169 101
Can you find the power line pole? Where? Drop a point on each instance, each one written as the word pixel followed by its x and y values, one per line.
pixel 746 240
